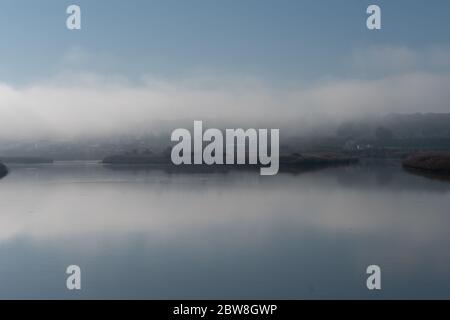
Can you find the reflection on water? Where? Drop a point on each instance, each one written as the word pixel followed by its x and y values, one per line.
pixel 161 234
pixel 444 176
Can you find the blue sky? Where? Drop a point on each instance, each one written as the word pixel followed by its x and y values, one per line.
pixel 281 40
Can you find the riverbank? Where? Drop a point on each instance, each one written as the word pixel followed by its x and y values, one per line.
pixel 287 160
pixel 25 160
pixel 435 162
pixel 316 159
pixel 3 170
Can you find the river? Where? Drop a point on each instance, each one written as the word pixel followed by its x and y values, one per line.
pixel 162 234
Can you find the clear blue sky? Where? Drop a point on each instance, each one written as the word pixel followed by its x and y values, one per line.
pixel 279 39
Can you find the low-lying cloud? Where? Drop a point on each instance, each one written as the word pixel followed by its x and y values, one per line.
pixel 89 104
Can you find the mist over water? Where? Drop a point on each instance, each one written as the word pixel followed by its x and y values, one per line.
pixel 89 105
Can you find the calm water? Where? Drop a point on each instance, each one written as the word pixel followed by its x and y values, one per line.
pixel 158 234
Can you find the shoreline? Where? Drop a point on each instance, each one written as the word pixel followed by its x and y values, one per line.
pixel 3 170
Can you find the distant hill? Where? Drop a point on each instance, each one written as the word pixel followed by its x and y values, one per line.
pixel 418 125
pixel 418 130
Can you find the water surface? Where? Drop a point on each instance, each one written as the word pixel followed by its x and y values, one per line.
pixel 162 234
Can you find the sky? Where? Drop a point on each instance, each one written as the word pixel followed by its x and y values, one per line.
pixel 142 61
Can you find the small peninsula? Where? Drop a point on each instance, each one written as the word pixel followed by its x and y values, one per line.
pixel 433 162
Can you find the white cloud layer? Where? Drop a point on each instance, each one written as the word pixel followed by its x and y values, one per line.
pixel 89 104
